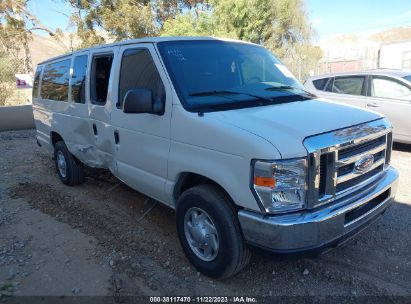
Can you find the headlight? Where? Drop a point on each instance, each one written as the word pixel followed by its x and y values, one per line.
pixel 280 185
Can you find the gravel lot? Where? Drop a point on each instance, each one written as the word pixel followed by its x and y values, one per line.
pixel 94 240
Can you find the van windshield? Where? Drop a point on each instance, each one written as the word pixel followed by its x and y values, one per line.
pixel 212 75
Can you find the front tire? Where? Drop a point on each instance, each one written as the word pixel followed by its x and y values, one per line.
pixel 69 169
pixel 210 233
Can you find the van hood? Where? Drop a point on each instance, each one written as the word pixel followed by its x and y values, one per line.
pixel 286 126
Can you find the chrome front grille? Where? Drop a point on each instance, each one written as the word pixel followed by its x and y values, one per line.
pixel 347 157
pixel 346 160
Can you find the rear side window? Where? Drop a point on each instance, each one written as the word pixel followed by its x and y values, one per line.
pixel 78 80
pixel 319 84
pixel 55 82
pixel 138 71
pixel 36 82
pixel 100 77
pixel 348 85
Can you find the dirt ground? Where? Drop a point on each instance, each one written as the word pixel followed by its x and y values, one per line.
pixel 102 238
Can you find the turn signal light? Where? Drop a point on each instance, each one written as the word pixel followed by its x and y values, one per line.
pixel 264 181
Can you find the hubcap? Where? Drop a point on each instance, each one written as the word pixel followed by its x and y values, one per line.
pixel 61 164
pixel 201 234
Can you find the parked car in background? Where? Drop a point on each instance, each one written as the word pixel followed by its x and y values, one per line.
pixel 385 91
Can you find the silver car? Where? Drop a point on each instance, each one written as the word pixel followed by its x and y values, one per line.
pixel 384 91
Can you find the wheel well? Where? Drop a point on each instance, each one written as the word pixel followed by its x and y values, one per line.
pixel 188 180
pixel 55 137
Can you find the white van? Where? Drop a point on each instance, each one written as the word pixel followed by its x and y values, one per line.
pixel 222 132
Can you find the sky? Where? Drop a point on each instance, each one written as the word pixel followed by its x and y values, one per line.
pixel 360 17
pixel 52 13
pixel 327 17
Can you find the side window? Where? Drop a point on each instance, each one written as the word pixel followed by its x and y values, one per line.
pixel 139 71
pixel 78 79
pixel 319 84
pixel 36 82
pixel 352 85
pixel 100 77
pixel 389 88
pixel 55 82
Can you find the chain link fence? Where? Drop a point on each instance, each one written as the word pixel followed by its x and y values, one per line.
pixel 302 69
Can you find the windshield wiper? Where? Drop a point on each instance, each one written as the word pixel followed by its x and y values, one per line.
pixel 286 87
pixel 227 92
pixel 210 93
pixel 281 87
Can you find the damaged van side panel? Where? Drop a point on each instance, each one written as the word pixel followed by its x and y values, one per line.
pixel 84 145
pixel 71 121
pixel 78 136
pixel 134 147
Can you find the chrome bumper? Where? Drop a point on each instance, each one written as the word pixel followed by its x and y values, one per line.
pixel 317 229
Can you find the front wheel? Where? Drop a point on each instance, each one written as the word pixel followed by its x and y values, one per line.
pixel 69 169
pixel 209 232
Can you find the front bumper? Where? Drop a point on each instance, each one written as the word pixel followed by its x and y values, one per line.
pixel 319 229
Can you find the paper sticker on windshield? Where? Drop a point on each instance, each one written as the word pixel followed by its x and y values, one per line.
pixel 286 72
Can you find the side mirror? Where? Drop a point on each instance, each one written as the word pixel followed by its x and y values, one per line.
pixel 141 101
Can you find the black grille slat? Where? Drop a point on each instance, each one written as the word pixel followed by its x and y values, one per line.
pixel 323 174
pixel 345 169
pixel 360 148
pixel 356 180
pixel 379 155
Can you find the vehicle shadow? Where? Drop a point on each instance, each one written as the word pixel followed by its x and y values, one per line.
pixel 371 259
pixel 402 147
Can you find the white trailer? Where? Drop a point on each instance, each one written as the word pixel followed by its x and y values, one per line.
pixel 395 56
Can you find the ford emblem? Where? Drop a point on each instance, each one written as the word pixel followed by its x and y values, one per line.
pixel 364 163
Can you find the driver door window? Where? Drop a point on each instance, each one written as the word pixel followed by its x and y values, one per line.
pixel 138 71
pixel 383 87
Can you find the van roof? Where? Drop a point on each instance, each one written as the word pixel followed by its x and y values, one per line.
pixel 141 40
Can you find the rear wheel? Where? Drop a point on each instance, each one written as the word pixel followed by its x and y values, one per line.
pixel 209 232
pixel 69 169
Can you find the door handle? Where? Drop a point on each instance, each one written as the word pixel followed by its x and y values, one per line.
pixel 95 129
pixel 116 137
pixel 372 105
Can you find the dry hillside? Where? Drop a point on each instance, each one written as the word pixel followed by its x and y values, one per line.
pixel 44 47
pixel 393 35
